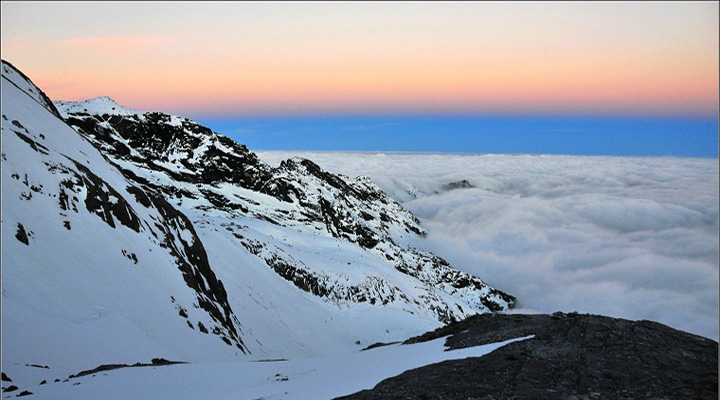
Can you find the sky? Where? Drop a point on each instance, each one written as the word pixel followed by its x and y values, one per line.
pixel 224 61
pixel 479 134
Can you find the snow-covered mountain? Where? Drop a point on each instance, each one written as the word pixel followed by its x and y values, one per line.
pixel 128 236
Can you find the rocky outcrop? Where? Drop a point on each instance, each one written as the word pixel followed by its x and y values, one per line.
pixel 571 356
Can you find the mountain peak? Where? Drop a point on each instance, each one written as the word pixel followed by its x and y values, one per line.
pixel 97 105
pixel 104 99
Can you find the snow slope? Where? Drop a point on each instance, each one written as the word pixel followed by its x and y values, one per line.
pixel 93 267
pixel 298 379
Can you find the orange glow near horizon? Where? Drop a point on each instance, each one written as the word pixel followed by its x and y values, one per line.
pixel 585 58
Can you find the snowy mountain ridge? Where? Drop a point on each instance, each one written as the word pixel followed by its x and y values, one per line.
pixel 164 150
pixel 147 235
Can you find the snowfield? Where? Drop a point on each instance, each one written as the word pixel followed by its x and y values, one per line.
pixel 297 379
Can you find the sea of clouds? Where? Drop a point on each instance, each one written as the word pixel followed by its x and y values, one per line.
pixel 634 238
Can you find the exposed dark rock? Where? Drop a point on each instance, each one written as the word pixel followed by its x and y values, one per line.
pixel 222 202
pixel 18 124
pixel 193 263
pixel 10 388
pixel 6 378
pixel 153 137
pixel 162 361
pixel 24 393
pixel 303 279
pixel 572 356
pixel 463 184
pixel 280 378
pixel 98 201
pixel 21 235
pixel 109 367
pixel 378 344
pixel 33 144
pixel 373 290
pixel 140 195
pixel 130 256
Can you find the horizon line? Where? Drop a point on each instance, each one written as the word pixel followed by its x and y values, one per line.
pixel 441 153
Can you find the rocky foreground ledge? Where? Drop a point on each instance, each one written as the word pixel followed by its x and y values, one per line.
pixel 572 356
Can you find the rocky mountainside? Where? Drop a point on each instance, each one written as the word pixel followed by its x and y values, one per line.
pixel 189 163
pixel 571 356
pixel 151 236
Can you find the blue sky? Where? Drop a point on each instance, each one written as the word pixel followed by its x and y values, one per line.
pixel 480 134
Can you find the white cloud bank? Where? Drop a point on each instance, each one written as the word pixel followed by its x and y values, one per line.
pixel 634 238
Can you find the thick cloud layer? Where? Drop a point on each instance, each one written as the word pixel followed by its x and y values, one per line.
pixel 634 238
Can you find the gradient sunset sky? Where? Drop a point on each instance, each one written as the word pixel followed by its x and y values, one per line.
pixel 230 58
pixel 238 66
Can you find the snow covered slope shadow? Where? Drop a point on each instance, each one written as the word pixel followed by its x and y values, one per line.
pixel 147 235
pixel 94 266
